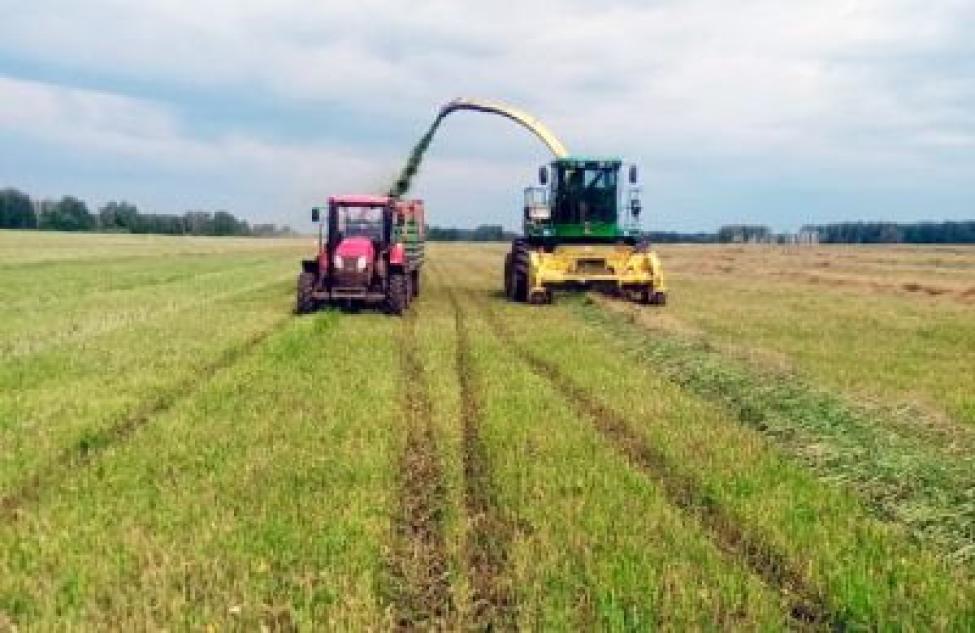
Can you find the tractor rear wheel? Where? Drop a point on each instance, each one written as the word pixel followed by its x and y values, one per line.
pixel 305 301
pixel 396 296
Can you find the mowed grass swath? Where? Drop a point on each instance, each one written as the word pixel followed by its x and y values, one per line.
pixel 180 450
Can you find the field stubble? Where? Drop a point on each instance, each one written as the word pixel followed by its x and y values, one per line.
pixel 202 458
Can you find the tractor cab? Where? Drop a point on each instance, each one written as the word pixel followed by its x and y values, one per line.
pixel 580 200
pixel 358 234
pixel 365 218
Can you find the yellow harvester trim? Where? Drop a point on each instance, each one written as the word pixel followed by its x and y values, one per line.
pixel 596 263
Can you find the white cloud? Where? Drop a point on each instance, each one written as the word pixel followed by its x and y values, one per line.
pixel 153 138
pixel 868 88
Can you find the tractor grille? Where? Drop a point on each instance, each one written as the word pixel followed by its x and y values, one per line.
pixel 349 277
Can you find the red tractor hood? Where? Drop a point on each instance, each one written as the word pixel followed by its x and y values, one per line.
pixel 356 247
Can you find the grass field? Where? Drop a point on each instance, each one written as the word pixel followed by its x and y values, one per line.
pixel 790 443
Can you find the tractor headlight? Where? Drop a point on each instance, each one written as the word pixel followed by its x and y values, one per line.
pixel 360 264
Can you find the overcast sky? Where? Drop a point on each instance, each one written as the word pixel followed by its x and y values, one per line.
pixel 760 111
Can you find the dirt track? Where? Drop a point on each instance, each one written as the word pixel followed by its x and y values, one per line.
pixel 420 591
pixel 490 534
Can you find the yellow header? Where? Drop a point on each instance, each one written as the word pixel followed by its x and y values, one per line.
pixel 531 123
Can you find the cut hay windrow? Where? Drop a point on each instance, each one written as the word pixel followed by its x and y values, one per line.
pixel 903 479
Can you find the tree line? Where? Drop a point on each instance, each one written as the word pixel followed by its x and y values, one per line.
pixel 481 233
pixel 895 233
pixel 19 211
pixel 838 233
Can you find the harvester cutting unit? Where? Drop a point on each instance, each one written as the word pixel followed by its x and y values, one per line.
pixel 581 225
pixel 370 252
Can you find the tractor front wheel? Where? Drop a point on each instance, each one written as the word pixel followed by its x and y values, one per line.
pixel 305 300
pixel 397 295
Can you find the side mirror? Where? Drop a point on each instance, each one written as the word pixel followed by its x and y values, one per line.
pixel 633 174
pixel 543 175
pixel 316 214
pixel 635 208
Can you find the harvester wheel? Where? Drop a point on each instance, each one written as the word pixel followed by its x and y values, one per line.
pixel 540 298
pixel 305 301
pixel 415 284
pixel 520 290
pixel 658 299
pixel 509 282
pixel 396 296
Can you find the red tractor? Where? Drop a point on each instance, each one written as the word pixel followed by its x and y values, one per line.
pixel 370 253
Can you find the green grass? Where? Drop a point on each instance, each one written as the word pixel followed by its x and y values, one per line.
pixel 888 346
pixel 246 502
pixel 177 450
pixel 574 563
pixel 906 480
pixel 871 571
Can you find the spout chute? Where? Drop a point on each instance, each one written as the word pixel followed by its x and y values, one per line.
pixel 403 183
pixel 529 122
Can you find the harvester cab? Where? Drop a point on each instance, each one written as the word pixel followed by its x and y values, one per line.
pixel 582 230
pixel 370 250
pixel 582 198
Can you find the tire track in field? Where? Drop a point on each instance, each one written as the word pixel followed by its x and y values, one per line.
pixel 490 535
pixel 420 587
pixel 806 606
pixel 87 448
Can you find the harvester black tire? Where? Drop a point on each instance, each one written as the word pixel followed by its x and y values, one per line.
pixel 397 297
pixel 658 299
pixel 540 298
pixel 415 284
pixel 521 287
pixel 509 282
pixel 305 301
